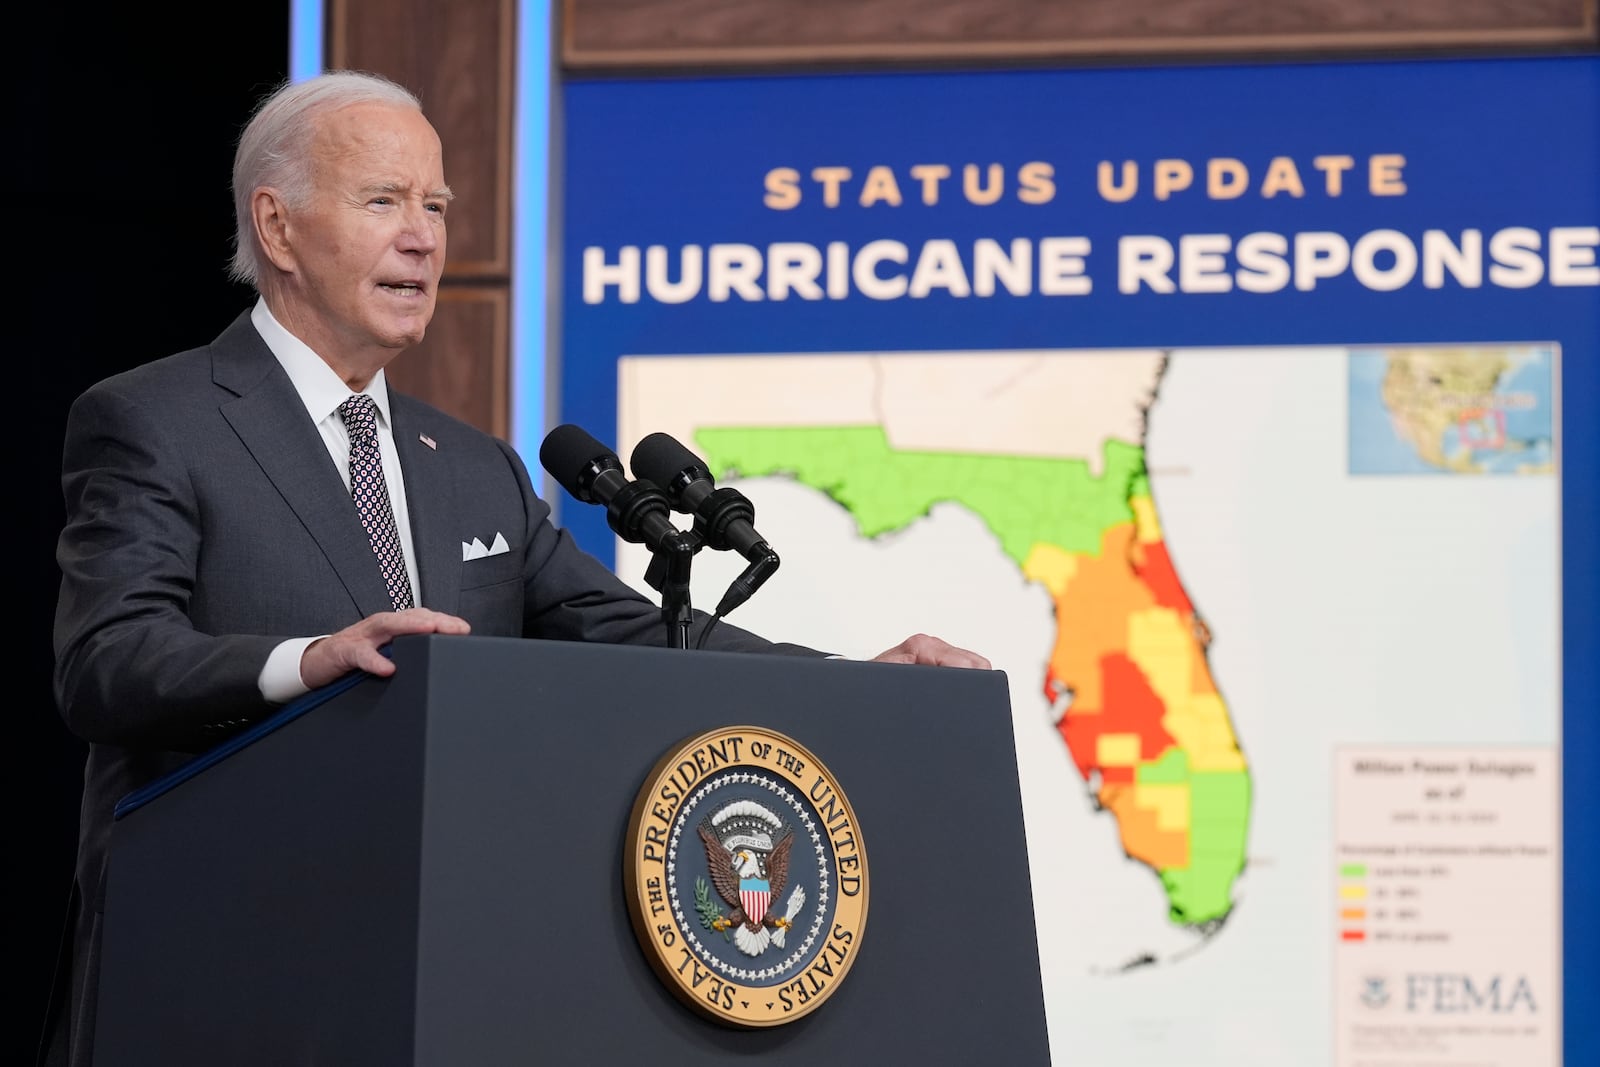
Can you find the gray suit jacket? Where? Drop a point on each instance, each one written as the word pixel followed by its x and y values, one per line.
pixel 206 523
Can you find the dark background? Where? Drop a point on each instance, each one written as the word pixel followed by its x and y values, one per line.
pixel 127 118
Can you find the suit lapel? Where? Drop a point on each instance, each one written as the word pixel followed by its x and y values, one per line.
pixel 272 423
pixel 430 498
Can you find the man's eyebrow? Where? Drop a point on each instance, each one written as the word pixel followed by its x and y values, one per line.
pixel 441 193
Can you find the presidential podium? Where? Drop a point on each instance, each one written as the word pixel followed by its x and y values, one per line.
pixel 428 869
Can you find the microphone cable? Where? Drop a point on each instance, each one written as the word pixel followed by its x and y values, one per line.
pixel 710 625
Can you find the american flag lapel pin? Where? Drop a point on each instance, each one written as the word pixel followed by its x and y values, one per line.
pixel 430 442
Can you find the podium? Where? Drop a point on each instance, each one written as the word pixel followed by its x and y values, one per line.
pixel 428 869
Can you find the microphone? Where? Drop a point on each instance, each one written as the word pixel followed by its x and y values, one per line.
pixel 723 517
pixel 637 511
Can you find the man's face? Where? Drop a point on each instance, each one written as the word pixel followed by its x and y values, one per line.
pixel 369 246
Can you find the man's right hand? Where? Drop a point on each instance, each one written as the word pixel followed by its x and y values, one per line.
pixel 355 648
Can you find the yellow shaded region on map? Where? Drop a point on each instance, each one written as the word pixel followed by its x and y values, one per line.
pixel 1169 802
pixel 1050 566
pixel 1146 526
pixel 1163 643
pixel 1117 750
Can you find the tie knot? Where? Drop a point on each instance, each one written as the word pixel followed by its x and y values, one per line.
pixel 360 415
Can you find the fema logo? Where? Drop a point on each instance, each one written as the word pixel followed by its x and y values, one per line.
pixel 746 876
pixel 1374 991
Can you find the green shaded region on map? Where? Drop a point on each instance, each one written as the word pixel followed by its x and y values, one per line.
pixel 1024 500
pixel 1219 806
pixel 1171 769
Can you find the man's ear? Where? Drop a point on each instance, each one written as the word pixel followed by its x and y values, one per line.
pixel 270 217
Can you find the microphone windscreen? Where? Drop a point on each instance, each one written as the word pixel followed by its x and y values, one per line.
pixel 660 458
pixel 568 452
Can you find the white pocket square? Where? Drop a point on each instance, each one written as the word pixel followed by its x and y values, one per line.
pixel 475 548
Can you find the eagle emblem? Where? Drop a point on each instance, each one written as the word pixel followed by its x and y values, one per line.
pixel 749 870
pixel 740 839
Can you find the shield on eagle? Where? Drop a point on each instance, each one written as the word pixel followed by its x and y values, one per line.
pixel 755 894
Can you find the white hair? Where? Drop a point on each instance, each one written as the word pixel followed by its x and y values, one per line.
pixel 274 149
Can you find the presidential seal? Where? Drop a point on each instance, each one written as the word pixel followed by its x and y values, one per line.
pixel 746 877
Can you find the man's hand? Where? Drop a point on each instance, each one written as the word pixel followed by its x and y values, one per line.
pixel 355 648
pixel 920 648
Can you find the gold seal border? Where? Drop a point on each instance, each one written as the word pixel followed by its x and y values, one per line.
pixel 644 879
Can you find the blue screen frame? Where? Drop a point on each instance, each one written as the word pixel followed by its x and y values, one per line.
pixel 1490 143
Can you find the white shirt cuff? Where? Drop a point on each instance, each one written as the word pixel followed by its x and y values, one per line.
pixel 279 680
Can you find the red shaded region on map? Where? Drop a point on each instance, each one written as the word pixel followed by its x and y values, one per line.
pixel 1138 714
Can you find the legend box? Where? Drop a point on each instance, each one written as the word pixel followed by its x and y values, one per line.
pixel 1445 907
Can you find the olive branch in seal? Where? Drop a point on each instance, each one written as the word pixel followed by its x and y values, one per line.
pixel 711 916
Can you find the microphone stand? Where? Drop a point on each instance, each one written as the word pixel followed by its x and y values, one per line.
pixel 628 512
pixel 668 574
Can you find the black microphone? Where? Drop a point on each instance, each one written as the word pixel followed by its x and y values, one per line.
pixel 637 511
pixel 723 517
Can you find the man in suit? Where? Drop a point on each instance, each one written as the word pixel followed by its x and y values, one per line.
pixel 258 517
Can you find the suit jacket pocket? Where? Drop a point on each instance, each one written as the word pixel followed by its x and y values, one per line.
pixel 490 570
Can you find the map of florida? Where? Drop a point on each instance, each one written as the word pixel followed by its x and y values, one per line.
pixel 1128 677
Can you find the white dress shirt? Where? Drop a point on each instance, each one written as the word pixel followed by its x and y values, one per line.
pixel 322 391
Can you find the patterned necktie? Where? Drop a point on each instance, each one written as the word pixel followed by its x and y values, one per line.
pixel 367 489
